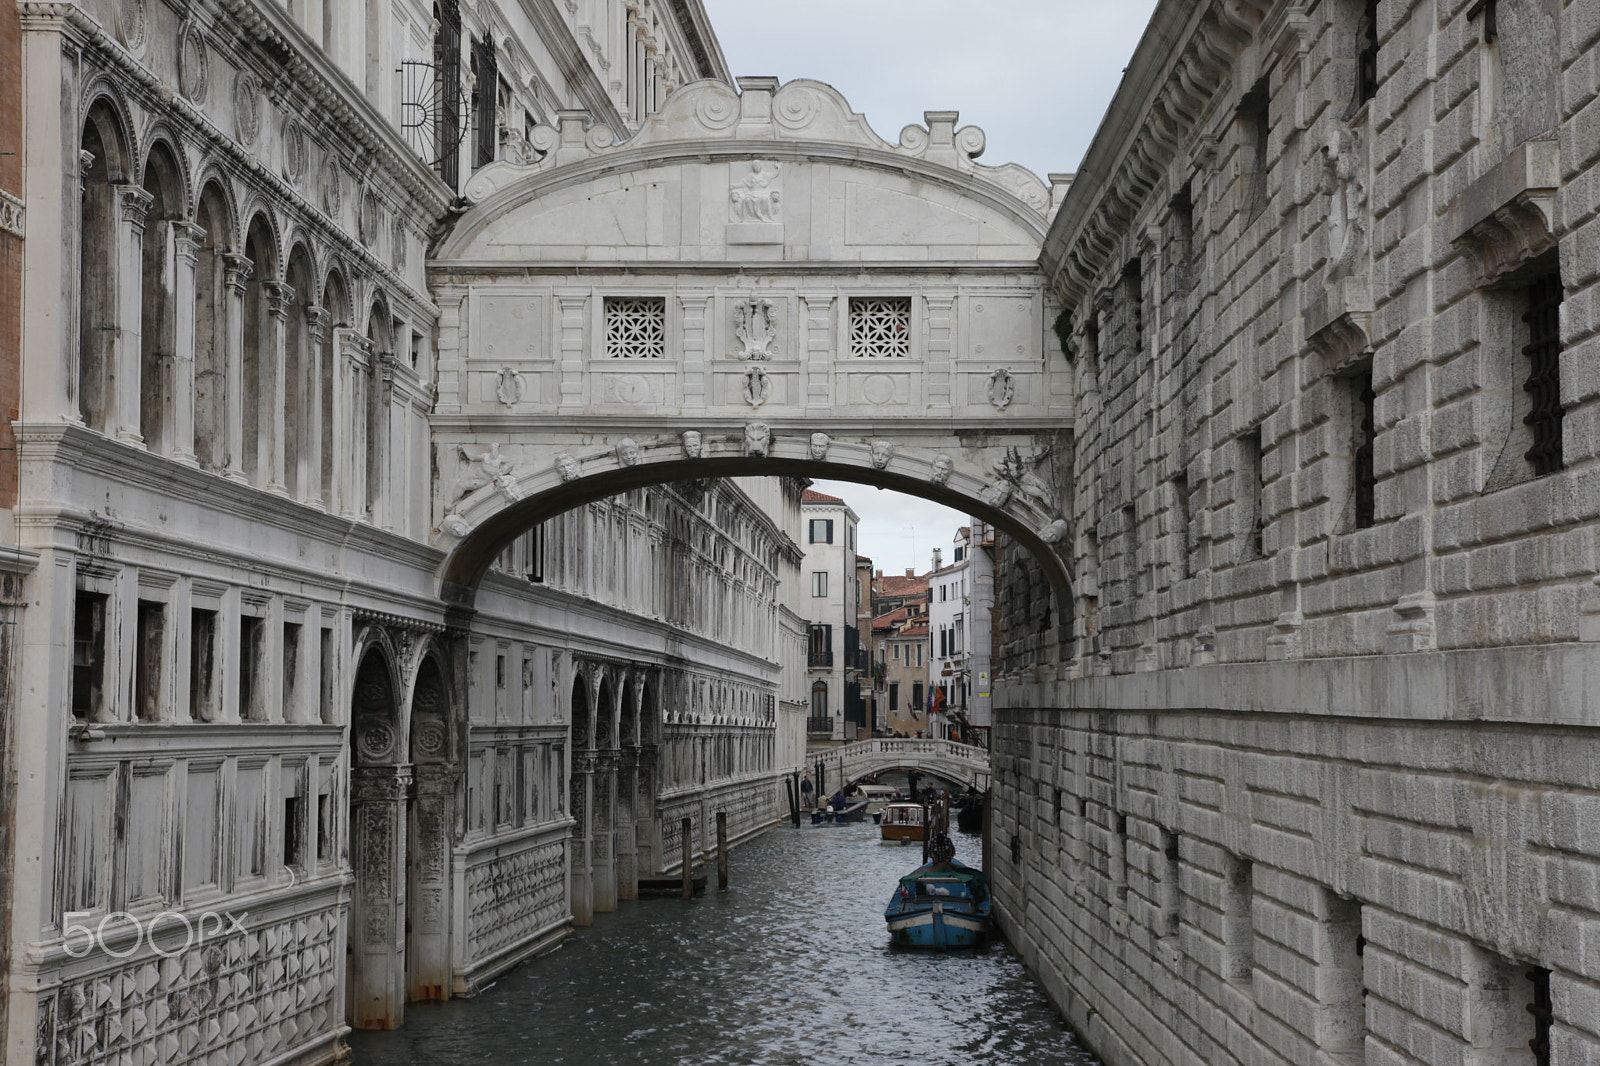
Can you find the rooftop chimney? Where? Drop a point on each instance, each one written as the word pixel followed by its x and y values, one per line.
pixel 936 558
pixel 879 574
pixel 911 572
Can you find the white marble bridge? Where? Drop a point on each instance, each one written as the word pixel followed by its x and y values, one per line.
pixel 946 758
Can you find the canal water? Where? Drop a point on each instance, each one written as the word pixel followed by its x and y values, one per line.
pixel 790 965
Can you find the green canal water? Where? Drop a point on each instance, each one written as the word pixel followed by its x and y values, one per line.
pixel 790 965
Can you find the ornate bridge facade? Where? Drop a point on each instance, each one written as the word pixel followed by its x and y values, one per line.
pixel 754 283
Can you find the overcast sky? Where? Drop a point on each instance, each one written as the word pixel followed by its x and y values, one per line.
pixel 1035 75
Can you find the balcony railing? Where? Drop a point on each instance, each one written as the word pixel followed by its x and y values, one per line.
pixel 820 657
pixel 820 725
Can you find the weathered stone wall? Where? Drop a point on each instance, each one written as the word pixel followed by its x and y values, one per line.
pixel 1317 785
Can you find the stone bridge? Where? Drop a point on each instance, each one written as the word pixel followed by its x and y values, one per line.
pixel 755 283
pixel 946 758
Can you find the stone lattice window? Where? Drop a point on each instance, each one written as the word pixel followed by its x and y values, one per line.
pixel 880 327
pixel 636 327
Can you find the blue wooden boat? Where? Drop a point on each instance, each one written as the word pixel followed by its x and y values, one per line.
pixel 941 905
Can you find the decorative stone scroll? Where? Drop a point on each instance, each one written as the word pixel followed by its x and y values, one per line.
pixel 755 326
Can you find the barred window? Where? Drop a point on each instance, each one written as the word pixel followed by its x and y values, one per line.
pixel 1543 385
pixel 636 327
pixel 880 327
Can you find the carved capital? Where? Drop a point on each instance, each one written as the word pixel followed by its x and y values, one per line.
pixel 236 271
pixel 279 297
pixel 316 322
pixel 186 238
pixel 135 204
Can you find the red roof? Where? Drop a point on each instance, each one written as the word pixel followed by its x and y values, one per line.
pixel 899 614
pixel 919 630
pixel 813 496
pixel 888 585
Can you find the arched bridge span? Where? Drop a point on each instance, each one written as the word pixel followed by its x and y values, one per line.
pixel 949 759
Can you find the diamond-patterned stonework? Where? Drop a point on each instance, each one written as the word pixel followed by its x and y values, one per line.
pixel 236 1000
pixel 514 898
pixel 636 327
pixel 880 327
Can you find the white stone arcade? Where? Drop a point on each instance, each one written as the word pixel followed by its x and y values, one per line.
pixel 754 283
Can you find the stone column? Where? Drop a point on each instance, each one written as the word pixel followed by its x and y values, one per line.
pixel 582 879
pixel 133 204
pixel 236 274
pixel 627 834
pixel 428 968
pixel 186 237
pixel 270 447
pixel 603 845
pixel 376 981
pixel 350 419
pixel 311 428
pixel 647 827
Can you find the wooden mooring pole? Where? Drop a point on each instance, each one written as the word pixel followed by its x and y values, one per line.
pixel 688 859
pixel 927 831
pixel 722 849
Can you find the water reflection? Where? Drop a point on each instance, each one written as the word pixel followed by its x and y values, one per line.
pixel 791 965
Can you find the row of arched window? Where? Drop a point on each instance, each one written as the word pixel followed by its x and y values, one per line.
pixel 197 343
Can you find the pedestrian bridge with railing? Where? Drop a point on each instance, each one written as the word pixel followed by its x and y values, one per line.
pixel 848 763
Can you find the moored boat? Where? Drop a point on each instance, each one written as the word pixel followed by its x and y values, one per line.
pixel 903 821
pixel 942 905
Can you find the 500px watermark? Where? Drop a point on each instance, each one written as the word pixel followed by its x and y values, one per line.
pixel 95 937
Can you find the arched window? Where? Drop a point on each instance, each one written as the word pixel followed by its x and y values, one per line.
pixel 211 302
pixel 104 162
pixel 819 699
pixel 157 292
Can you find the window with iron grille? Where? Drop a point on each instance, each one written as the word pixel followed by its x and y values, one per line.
pixel 486 67
pixel 1363 474
pixel 1543 385
pixel 880 327
pixel 636 327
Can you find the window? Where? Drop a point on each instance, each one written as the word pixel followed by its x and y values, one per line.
pixel 1248 497
pixel 880 327
pixel 326 661
pixel 636 327
pixel 916 696
pixel 1363 475
pixel 1183 501
pixel 1170 897
pixel 251 631
pixel 821 652
pixel 291 669
pixel 819 699
pixel 88 654
pixel 1542 299
pixel 819 583
pixel 292 818
pixel 1344 1020
pixel 961 553
pixel 1256 133
pixel 894 693
pixel 821 531
pixel 486 67
pixel 897 653
pixel 152 624
pixel 202 664
pixel 1367 52
pixel 944 593
pixel 919 653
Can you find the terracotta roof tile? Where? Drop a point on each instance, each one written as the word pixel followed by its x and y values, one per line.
pixel 813 496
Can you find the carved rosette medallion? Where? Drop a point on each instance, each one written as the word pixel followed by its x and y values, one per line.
pixel 370 218
pixel 194 63
pixel 333 190
pixel 430 741
pixel 376 740
pixel 131 22
pixel 295 154
pixel 247 107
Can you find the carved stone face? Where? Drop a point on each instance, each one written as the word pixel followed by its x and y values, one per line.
pixel 756 437
pixel 882 452
pixel 628 451
pixel 819 446
pixel 566 466
pixel 692 443
pixel 943 465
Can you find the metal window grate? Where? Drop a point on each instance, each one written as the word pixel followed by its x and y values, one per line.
pixel 636 327
pixel 486 145
pixel 1544 373
pixel 1543 1015
pixel 1366 478
pixel 880 327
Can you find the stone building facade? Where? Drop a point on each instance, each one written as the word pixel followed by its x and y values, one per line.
pixel 832 611
pixel 261 783
pixel 1312 782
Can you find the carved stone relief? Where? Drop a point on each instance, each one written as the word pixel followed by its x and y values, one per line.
pixel 628 451
pixel 510 388
pixel 943 466
pixel 246 107
pixel 567 467
pixel 295 155
pixel 757 439
pixel 1001 389
pixel 692 443
pixel 755 196
pixel 194 74
pixel 882 452
pixel 755 326
pixel 1344 182
pixel 757 386
pixel 819 446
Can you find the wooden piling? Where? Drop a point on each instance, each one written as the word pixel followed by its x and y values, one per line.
pixel 688 859
pixel 722 849
pixel 927 831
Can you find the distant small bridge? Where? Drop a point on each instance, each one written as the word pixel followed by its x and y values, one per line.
pixel 953 761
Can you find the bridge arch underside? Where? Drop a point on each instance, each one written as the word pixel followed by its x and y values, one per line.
pixel 492 517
